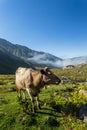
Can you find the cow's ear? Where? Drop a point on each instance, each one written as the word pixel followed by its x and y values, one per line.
pixel 42 71
pixel 46 69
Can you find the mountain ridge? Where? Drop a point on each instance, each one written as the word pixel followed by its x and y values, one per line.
pixel 18 55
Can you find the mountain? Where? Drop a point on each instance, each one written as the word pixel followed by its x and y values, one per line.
pixel 13 55
pixel 9 62
pixel 79 60
pixel 75 60
pixel 23 51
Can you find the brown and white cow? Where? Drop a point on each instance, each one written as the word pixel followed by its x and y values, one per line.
pixel 33 81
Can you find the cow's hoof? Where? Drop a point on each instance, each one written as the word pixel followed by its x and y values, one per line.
pixel 39 107
pixel 32 114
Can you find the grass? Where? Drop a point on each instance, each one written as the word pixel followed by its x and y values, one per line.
pixel 60 105
pixel 79 72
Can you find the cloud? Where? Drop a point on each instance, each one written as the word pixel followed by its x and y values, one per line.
pixel 44 59
pixel 41 59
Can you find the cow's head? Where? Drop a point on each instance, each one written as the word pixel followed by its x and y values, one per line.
pixel 49 77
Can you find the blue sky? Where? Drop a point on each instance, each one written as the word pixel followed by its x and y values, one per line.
pixel 58 27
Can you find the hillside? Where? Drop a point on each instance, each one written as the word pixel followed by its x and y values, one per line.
pixel 78 73
pixel 14 55
pixel 9 63
pixel 17 55
pixel 60 104
pixel 23 51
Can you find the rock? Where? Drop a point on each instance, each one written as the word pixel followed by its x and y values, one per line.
pixel 10 83
pixel 83 91
pixel 65 80
pixel 83 113
pixel 22 118
pixel 85 82
pixel 12 89
pixel 55 93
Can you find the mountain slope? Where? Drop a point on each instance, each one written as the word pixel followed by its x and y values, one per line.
pixel 30 56
pixel 8 61
pixel 9 64
pixel 13 56
pixel 75 60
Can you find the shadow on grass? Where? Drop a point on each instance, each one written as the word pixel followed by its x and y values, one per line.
pixel 55 110
pixel 43 111
pixel 47 113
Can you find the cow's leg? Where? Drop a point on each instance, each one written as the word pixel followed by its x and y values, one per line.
pixel 24 95
pixel 38 104
pixel 19 94
pixel 32 100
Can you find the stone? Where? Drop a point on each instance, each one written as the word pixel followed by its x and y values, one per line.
pixel 83 113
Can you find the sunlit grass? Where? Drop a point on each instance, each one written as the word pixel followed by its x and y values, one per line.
pixel 53 100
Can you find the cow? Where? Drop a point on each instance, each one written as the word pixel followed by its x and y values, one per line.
pixel 33 81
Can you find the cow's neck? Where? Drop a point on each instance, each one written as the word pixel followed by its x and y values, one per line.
pixel 36 76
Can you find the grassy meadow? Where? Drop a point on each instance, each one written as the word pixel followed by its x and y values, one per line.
pixel 60 104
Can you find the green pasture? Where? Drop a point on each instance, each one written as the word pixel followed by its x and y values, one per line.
pixel 59 106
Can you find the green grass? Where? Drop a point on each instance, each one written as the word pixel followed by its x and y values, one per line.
pixel 53 116
pixel 76 73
